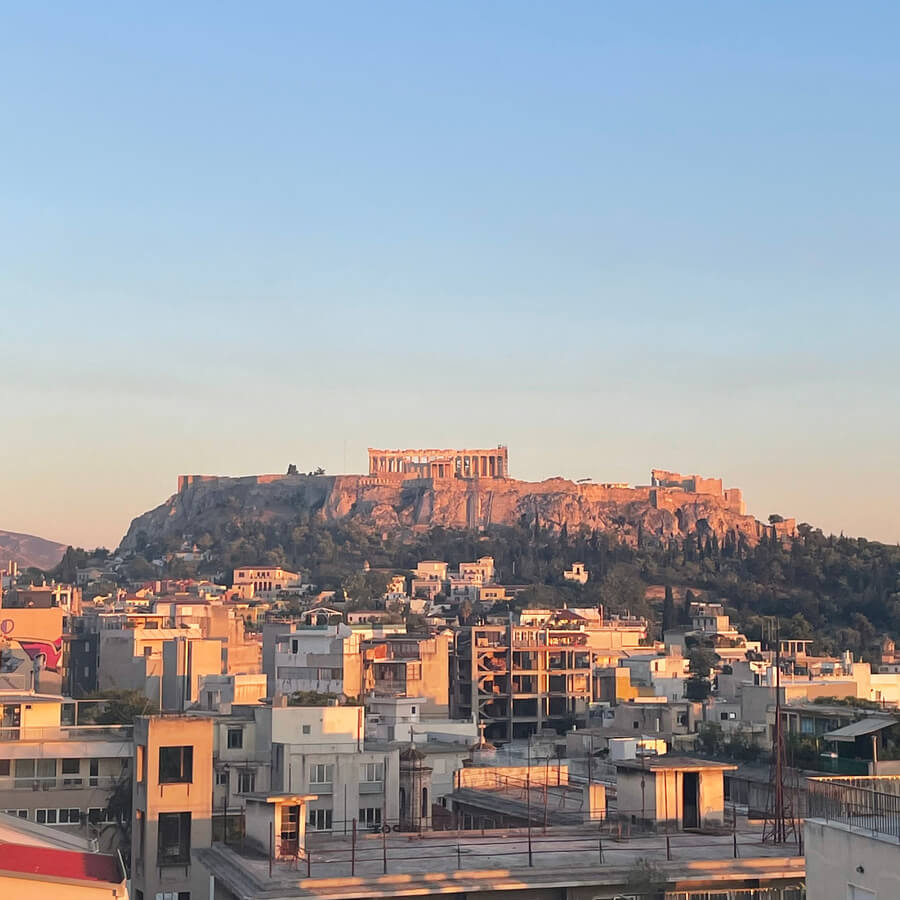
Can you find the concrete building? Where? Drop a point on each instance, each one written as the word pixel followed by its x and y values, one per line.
pixel 47 596
pixel 164 664
pixel 578 573
pixel 410 666
pixel 671 793
pixel 253 581
pixel 851 835
pixel 172 800
pixel 316 752
pixel 519 679
pixel 54 772
pixel 321 658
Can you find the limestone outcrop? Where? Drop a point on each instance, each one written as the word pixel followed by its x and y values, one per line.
pixel 391 503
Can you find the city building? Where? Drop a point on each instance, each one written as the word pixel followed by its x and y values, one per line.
pixel 56 772
pixel 672 793
pixel 410 666
pixel 578 573
pixel 43 861
pixel 251 581
pixel 851 835
pixel 321 658
pixel 520 679
pixel 172 806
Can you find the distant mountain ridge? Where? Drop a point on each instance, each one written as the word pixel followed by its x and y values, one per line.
pixel 29 550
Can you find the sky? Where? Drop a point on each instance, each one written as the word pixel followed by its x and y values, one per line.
pixel 612 236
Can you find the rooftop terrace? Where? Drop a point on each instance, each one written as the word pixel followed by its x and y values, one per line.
pixel 399 864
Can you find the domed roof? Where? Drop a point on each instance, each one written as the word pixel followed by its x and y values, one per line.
pixel 411 754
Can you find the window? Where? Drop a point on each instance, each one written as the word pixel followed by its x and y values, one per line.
pixel 235 738
pixel 221 778
pixel 4 767
pixel 174 839
pixel 370 817
pixel 635 724
pixel 321 773
pixel 45 816
pixel 171 895
pixel 71 767
pixel 307 729
pixel 94 772
pixel 98 814
pixel 176 765
pixel 18 813
pixel 372 772
pixel 69 817
pixel 412 710
pixel 246 782
pixel 320 819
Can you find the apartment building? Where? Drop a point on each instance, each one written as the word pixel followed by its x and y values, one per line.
pixel 518 680
pixel 45 596
pixel 252 581
pixel 850 836
pixel 172 806
pixel 164 664
pixel 56 773
pixel 410 666
pixel 320 751
pixel 321 658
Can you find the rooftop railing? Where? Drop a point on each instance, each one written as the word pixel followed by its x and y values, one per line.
pixel 67 733
pixel 869 804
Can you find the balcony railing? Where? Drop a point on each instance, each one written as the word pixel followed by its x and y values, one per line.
pixel 868 803
pixel 59 783
pixel 67 733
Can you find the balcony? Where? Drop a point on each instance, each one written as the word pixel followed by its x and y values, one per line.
pixel 371 787
pixel 42 733
pixel 59 783
pixel 870 804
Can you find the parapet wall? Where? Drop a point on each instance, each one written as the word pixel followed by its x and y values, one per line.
pixel 185 481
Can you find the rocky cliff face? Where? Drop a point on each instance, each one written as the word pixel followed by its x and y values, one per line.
pixel 391 504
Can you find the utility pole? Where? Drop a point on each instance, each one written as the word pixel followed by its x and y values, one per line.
pixel 779 825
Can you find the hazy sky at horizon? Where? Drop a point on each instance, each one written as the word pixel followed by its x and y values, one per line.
pixel 611 236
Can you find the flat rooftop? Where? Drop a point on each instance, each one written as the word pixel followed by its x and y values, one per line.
pixel 669 763
pixel 457 862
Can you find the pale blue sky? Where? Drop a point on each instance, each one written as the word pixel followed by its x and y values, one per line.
pixel 612 236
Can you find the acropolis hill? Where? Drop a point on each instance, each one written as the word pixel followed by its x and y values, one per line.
pixel 415 490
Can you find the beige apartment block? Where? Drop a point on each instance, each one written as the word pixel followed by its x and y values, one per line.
pixel 410 666
pixel 172 800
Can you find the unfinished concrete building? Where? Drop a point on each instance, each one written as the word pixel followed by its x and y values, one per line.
pixel 518 680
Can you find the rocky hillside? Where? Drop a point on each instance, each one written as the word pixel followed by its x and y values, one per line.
pixel 389 505
pixel 28 550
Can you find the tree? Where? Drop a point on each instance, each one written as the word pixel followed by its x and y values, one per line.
pixel 774 518
pixel 701 661
pixel 313 698
pixel 119 708
pixel 138 569
pixel 668 615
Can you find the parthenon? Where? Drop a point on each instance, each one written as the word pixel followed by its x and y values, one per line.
pixel 491 463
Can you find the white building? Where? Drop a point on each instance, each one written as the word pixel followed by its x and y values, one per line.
pixel 321 658
pixel 851 835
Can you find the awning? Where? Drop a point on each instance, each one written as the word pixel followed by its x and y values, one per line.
pixel 858 729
